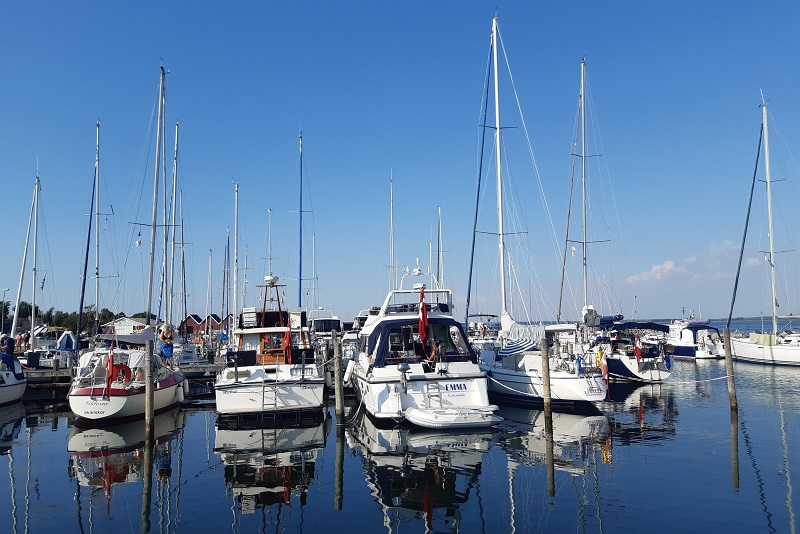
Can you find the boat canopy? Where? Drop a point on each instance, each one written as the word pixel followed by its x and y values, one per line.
pixel 637 325
pixel 382 349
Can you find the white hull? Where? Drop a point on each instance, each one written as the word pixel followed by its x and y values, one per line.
pixel 123 406
pixel 11 387
pixel 782 354
pixel 92 396
pixel 460 387
pixel 625 368
pixel 273 388
pixel 12 392
pixel 565 388
pixel 451 418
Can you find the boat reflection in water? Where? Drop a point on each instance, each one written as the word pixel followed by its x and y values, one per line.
pixel 641 413
pixel 11 417
pixel 268 465
pixel 525 438
pixel 107 456
pixel 419 474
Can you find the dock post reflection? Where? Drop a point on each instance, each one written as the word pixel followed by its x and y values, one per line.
pixel 735 448
pixel 147 480
pixel 548 437
pixel 338 495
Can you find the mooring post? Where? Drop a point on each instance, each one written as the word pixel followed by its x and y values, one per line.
pixel 735 448
pixel 148 392
pixel 726 337
pixel 338 380
pixel 545 371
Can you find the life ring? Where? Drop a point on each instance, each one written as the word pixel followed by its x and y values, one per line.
pixel 124 369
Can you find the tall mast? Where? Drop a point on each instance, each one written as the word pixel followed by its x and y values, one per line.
pixel 161 102
pixel 392 273
pixel 35 246
pixel 184 312
pixel 269 240
pixel 236 254
pixel 500 234
pixel 769 215
pixel 171 277
pixel 208 295
pixel 440 262
pixel 24 260
pixel 79 326
pixel 96 326
pixel 583 173
pixel 300 272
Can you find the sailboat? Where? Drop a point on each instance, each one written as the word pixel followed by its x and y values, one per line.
pixel 12 380
pixel 516 371
pixel 774 348
pixel 109 384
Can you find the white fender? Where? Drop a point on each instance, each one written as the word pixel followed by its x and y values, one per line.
pixel 179 394
pixel 348 372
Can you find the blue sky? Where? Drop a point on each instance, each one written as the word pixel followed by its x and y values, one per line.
pixel 385 89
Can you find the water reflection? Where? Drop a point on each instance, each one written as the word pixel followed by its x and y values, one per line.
pixel 641 413
pixel 107 456
pixel 11 417
pixel 269 466
pixel 524 437
pixel 419 475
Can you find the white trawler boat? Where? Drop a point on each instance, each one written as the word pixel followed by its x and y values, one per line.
pixel 273 369
pixel 397 376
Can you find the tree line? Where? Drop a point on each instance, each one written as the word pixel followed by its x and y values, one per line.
pixel 53 317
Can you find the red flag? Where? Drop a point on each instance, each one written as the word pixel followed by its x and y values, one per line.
pixel 110 369
pixel 287 346
pixel 638 351
pixel 423 316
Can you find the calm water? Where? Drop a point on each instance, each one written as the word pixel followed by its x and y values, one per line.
pixel 660 458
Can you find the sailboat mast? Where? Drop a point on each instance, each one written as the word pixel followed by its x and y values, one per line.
pixel 269 240
pixel 96 326
pixel 300 271
pixel 500 235
pixel 161 102
pixel 769 216
pixel 171 279
pixel 583 174
pixel 440 261
pixel 35 246
pixel 392 273
pixel 236 254
pixel 208 295
pixel 183 263
pixel 24 261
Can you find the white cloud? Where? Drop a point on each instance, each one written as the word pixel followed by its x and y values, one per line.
pixel 690 260
pixel 752 262
pixel 658 272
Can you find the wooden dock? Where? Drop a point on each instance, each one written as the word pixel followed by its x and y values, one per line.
pixel 46 377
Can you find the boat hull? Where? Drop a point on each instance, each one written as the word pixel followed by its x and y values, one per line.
pixel 11 392
pixel 451 418
pixel 566 389
pixel 121 404
pixel 622 367
pixel 455 396
pixel 747 351
pixel 257 391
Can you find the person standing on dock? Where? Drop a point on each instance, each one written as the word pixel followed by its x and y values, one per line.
pixel 167 337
